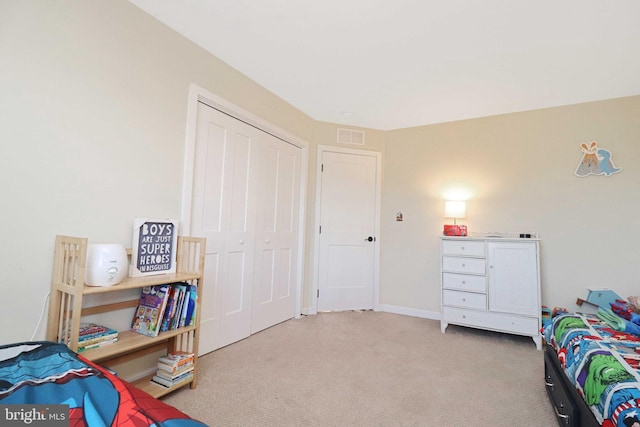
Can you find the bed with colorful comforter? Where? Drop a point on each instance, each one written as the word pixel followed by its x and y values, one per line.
pixel 36 373
pixel 599 356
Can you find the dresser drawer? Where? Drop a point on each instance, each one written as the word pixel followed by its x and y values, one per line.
pixel 464 299
pixel 463 265
pixel 495 321
pixel 464 282
pixel 463 247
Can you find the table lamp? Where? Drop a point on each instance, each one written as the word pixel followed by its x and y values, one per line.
pixel 456 210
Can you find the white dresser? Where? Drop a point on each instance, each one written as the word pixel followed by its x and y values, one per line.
pixel 492 283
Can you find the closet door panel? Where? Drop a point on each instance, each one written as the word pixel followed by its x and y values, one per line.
pixel 223 211
pixel 277 235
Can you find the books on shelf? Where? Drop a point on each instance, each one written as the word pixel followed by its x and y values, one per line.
pixel 174 376
pixel 172 307
pixel 165 307
pixel 170 383
pixel 174 368
pixel 177 358
pixel 176 363
pixel 92 335
pixel 84 347
pixel 150 311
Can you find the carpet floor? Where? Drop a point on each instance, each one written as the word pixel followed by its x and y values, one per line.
pixel 370 369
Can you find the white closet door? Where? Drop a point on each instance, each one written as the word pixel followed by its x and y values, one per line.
pixel 246 202
pixel 224 211
pixel 276 234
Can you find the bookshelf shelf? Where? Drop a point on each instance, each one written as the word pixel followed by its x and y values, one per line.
pixel 156 390
pixel 129 341
pixel 141 282
pixel 66 310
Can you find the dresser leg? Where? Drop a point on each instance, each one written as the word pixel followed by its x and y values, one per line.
pixel 443 326
pixel 538 341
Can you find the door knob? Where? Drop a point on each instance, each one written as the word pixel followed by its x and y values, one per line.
pixel 370 239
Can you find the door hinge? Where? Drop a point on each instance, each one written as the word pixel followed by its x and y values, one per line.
pixel 322 167
pixel 318 294
pixel 320 229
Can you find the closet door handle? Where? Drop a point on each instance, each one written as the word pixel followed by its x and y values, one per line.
pixel 241 242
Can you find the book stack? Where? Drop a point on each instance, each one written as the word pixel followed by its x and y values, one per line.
pixel 165 307
pixel 174 368
pixel 92 335
pixel 180 307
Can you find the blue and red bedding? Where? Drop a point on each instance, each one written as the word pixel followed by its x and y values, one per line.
pixel 49 373
pixel 602 363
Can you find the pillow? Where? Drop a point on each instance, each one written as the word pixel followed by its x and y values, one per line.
pixel 634 303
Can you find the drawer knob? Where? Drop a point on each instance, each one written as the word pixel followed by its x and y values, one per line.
pixel 464 300
pixel 464 282
pixel 464 265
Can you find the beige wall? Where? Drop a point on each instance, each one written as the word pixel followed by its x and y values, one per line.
pixel 92 134
pixel 518 170
pixel 93 118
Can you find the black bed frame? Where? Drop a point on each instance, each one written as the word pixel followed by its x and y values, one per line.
pixel 571 409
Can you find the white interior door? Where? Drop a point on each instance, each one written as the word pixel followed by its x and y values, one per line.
pixel 348 224
pixel 246 202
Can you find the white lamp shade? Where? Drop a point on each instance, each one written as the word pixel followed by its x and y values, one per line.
pixel 455 209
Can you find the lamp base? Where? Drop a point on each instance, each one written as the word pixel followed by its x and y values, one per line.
pixel 455 230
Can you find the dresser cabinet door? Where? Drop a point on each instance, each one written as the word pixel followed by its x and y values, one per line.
pixel 513 277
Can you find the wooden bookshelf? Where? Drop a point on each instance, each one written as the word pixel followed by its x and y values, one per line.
pixel 66 311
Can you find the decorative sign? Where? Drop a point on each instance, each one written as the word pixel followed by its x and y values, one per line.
pixel 595 161
pixel 153 250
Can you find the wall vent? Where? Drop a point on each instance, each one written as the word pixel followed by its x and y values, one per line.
pixel 349 136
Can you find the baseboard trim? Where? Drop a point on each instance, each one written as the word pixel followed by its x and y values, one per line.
pixel 308 311
pixel 407 311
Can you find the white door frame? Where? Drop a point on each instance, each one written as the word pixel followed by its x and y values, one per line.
pixel 316 238
pixel 199 94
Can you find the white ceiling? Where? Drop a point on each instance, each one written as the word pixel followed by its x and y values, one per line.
pixel 389 64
